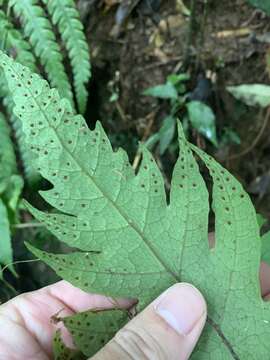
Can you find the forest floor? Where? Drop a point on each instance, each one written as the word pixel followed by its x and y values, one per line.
pixel 228 42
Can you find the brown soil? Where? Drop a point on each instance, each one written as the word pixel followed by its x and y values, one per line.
pixel 151 45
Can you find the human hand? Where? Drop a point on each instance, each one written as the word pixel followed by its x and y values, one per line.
pixel 167 329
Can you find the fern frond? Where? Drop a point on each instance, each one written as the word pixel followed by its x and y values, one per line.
pixel 11 186
pixel 13 43
pixel 11 183
pixel 66 17
pixel 8 165
pixel 41 36
pixel 31 175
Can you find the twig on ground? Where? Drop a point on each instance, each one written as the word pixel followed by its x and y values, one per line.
pixel 121 111
pixel 162 63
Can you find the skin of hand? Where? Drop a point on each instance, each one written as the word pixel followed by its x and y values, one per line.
pixel 167 329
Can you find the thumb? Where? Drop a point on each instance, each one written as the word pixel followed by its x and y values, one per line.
pixel 168 329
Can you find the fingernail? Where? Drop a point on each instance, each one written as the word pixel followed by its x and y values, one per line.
pixel 181 306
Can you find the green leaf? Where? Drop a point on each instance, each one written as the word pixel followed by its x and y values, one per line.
pixel 29 173
pixel 177 80
pixel 230 136
pixel 66 16
pixel 91 330
pixel 38 29
pixel 151 141
pixel 261 4
pixel 114 97
pixel 165 91
pixel 181 7
pixel 128 240
pixel 62 352
pixel 166 133
pixel 13 42
pixel 202 119
pixel 5 238
pixel 7 155
pixel 252 95
pixel 11 184
pixel 14 191
pixel 261 220
pixel 174 79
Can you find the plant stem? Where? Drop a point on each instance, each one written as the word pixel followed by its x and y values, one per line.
pixel 27 225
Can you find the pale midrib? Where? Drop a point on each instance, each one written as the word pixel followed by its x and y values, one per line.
pixel 131 224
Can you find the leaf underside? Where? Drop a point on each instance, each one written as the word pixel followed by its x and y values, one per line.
pixel 92 329
pixel 252 94
pixel 128 240
pixel 62 352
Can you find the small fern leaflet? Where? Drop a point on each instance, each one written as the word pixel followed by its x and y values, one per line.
pixel 13 42
pixel 41 36
pixel 66 16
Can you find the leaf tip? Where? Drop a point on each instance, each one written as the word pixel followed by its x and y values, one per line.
pixel 181 133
